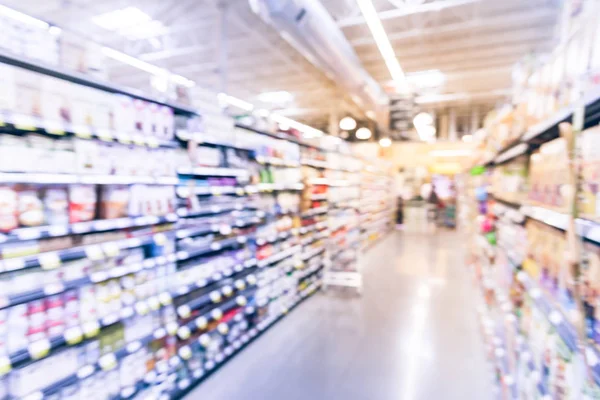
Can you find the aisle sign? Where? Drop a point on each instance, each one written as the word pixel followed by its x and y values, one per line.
pixel 402 111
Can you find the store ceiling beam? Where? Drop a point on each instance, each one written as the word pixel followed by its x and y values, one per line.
pixel 461 97
pixel 453 45
pixel 542 17
pixel 408 10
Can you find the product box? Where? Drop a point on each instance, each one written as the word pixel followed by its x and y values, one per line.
pixel 8 92
pixel 29 88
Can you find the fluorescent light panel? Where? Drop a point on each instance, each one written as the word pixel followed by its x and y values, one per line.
pixel 383 42
pixel 19 16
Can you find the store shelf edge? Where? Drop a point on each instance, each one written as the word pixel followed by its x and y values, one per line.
pixel 86 80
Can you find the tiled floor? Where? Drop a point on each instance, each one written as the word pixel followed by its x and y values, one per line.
pixel 411 336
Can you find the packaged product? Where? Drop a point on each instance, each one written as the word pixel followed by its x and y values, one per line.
pixel 124 115
pixel 29 88
pixel 114 202
pixel 30 208
pixel 56 206
pixel 54 101
pixel 8 209
pixel 82 203
pixel 7 88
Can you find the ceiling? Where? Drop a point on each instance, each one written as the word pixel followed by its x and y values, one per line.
pixel 473 43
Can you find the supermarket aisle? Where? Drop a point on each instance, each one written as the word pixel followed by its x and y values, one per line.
pixel 412 336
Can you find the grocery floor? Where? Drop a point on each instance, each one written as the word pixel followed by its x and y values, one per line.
pixel 411 336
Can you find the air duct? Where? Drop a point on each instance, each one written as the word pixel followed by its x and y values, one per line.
pixel 309 28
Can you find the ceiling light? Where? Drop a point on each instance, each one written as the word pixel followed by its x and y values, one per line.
pixel 383 42
pixel 227 100
pixel 121 19
pixel 347 124
pixel 308 131
pixel 385 142
pixel 134 62
pixel 371 114
pixel 423 119
pixel 19 16
pixel 364 133
pixel 279 97
pixel 467 138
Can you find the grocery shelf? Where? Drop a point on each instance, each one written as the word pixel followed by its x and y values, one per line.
pixel 213 171
pixel 548 129
pixel 53 259
pixel 185 191
pixel 201 139
pixel 95 226
pixel 86 80
pixel 213 247
pixel 279 256
pixel 275 161
pixel 274 238
pixel 315 211
pixel 239 344
pixel 45 178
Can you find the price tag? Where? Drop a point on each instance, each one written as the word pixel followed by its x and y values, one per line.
pixel 127 392
pixel 160 239
pixel 5 366
pixel 240 284
pixel 160 333
pixel 152 142
pixel 153 303
pixel 124 138
pixel 227 290
pixel 216 190
pixel 201 323
pixel 172 328
pixel 204 340
pixel 94 253
pixel 141 307
pixel 108 362
pixel 240 191
pixel 25 123
pixel 86 371
pixel 241 301
pixel 201 283
pixel 215 296
pixel 251 279
pixel 184 311
pixel 216 314
pixel 105 135
pixel 98 276
pixel 110 319
pixel 134 346
pixel 39 349
pixel 91 329
pixel 215 246
pixel 138 140
pixel 126 312
pixel 49 261
pixel 34 396
pixel 111 249
pixel 73 335
pixel 82 132
pixel 185 352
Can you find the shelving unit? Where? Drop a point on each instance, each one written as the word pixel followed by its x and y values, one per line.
pixel 159 248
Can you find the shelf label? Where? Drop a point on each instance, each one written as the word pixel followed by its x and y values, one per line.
pixel 240 284
pixel 124 138
pixel 251 279
pixel 110 319
pixel 215 296
pixel 94 253
pixel 73 335
pixel 204 340
pixel 153 303
pixel 139 140
pixel 141 307
pixel 201 323
pixel 25 123
pixel 185 352
pixel 111 249
pixel 216 314
pixel 53 288
pixel 86 371
pixel 172 328
pixel 134 346
pixel 82 132
pixel 227 291
pixel 127 392
pixel 105 135
pixel 49 261
pixel 108 362
pixel 240 191
pixel 241 301
pixel 91 329
pixel 160 239
pixel 39 349
pixel 152 142
pixel 184 311
pixel 5 366
pixel 216 190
